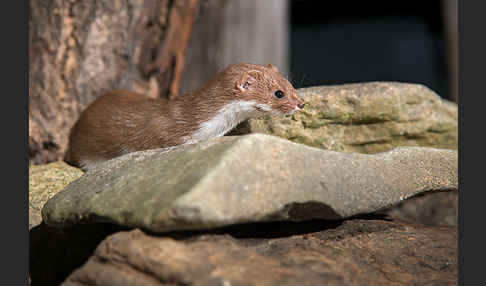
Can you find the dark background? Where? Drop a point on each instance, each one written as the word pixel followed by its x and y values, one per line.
pixel 335 42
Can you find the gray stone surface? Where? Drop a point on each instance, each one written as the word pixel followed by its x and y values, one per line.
pixel 44 182
pixel 366 118
pixel 251 178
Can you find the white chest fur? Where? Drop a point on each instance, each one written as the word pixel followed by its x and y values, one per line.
pixel 226 119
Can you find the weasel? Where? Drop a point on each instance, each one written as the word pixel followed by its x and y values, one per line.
pixel 121 122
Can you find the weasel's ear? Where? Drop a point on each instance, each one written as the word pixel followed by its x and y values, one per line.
pixel 248 81
pixel 272 67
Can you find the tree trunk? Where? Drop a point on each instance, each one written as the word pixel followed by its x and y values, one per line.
pixel 229 32
pixel 80 49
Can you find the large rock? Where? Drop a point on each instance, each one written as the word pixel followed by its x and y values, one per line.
pixel 366 118
pixel 369 118
pixel 242 179
pixel 44 182
pixel 353 252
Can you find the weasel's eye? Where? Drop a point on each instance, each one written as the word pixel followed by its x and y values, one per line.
pixel 279 94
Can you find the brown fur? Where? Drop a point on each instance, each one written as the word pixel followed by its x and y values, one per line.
pixel 120 122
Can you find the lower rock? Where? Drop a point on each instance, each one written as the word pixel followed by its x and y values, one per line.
pixel 353 252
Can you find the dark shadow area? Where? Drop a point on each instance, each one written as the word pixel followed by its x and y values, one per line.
pixel 269 230
pixel 351 41
pixel 372 216
pixel 54 253
pixel 261 230
pixel 279 229
pixel 302 211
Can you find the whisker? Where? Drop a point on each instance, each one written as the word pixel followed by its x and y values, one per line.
pixel 302 81
pixel 290 79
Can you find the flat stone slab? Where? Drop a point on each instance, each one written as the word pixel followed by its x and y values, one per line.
pixel 366 118
pixel 241 179
pixel 44 182
pixel 353 252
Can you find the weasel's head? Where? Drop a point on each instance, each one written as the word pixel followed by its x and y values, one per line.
pixel 271 92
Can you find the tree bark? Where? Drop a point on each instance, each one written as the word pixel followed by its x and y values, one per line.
pixel 80 49
pixel 229 32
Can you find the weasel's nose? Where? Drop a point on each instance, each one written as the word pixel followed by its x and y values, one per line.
pixel 301 105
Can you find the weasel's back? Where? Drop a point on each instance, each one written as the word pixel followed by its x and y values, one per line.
pixel 111 126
